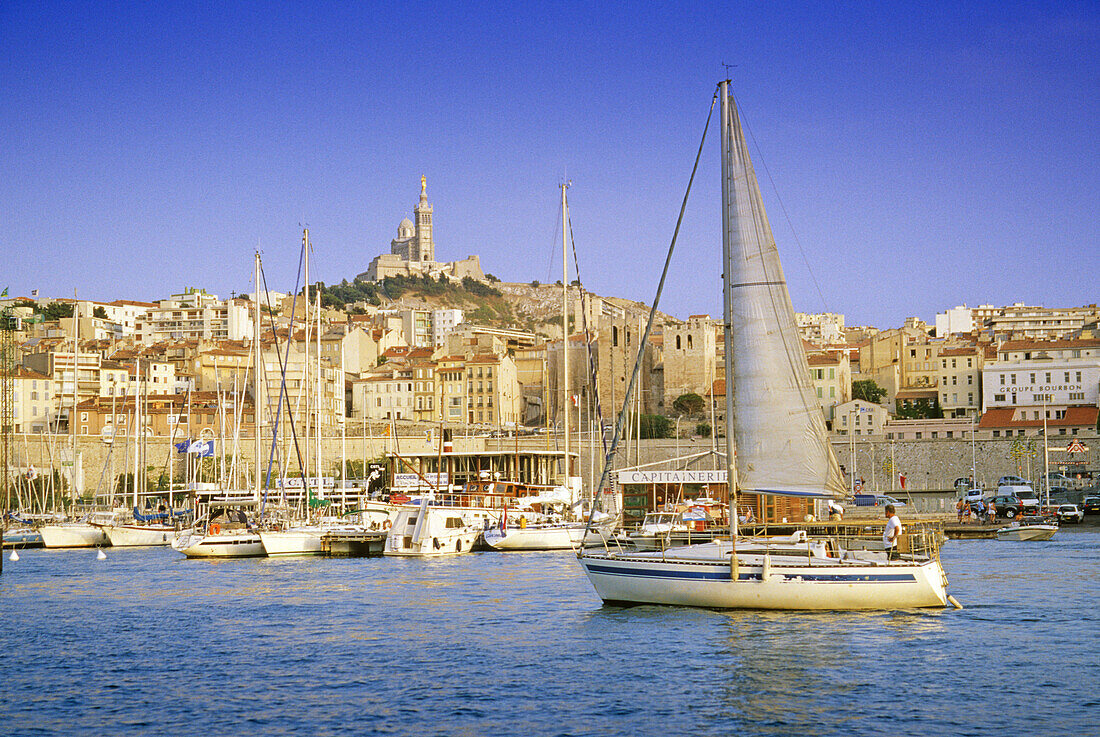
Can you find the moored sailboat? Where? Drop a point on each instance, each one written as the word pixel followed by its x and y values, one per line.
pixel 782 447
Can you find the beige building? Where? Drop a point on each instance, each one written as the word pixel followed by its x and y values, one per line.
pixel 960 372
pixel 32 395
pixel 690 356
pixel 859 417
pixel 195 315
pixel 831 375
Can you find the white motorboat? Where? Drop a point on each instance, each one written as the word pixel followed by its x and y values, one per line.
pixel 781 443
pixel 1024 532
pixel 426 531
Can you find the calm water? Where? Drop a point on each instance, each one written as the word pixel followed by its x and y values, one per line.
pixel 490 644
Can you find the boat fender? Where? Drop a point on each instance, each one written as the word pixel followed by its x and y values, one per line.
pixel 766 570
pixel 954 602
pixel 215 529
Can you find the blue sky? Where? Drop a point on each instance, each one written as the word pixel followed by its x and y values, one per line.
pixel 925 155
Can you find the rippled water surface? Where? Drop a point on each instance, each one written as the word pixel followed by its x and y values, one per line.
pixel 147 642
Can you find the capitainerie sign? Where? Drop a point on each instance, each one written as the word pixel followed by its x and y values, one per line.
pixel 672 477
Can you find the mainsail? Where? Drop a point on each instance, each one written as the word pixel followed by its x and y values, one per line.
pixel 782 444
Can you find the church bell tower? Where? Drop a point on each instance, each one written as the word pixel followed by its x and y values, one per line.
pixel 423 214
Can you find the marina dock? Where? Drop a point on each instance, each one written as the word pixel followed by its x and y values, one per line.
pixel 344 544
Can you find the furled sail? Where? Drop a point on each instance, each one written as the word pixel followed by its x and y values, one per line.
pixel 782 444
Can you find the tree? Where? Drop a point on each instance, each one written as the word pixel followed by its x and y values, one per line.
pixel 689 404
pixel 655 426
pixel 535 283
pixel 492 278
pixel 868 391
pixel 703 429
pixel 100 311
pixel 920 409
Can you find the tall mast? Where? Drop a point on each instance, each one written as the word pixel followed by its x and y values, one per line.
pixel 565 325
pixel 256 378
pixel 727 305
pixel 305 363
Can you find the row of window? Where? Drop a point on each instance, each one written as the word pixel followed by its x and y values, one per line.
pixel 1011 378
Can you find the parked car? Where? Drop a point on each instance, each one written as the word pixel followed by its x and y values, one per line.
pixel 1070 513
pixel 1091 505
pixel 962 483
pixel 1008 507
pixel 1012 481
pixel 1059 479
pixel 973 496
pixel 877 500
pixel 1029 500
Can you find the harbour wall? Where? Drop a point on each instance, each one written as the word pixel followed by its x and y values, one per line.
pixel 928 465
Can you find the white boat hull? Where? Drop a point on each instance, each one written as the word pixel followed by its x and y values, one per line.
pixel 566 536
pixel 435 546
pixel 73 535
pixel 777 583
pixel 291 543
pixel 1027 533
pixel 127 536
pixel 221 545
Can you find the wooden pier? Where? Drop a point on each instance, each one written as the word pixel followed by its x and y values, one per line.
pixel 339 544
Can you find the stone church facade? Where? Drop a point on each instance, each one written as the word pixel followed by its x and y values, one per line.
pixel 413 250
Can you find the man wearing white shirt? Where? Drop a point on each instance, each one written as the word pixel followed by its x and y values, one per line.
pixel 891 534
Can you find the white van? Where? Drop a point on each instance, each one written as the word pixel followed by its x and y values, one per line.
pixel 1029 500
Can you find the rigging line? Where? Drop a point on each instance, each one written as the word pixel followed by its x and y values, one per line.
pixel 621 420
pixel 587 337
pixel 553 250
pixel 783 207
pixel 282 382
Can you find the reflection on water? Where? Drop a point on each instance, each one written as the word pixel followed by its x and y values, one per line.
pixel 519 644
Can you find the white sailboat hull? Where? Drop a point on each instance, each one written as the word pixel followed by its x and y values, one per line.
pixel 566 536
pixel 1025 533
pixel 125 536
pixel 73 535
pixel 779 583
pixel 288 543
pixel 535 537
pixel 221 545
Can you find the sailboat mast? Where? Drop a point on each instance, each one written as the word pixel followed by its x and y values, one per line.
pixel 727 306
pixel 565 325
pixel 256 379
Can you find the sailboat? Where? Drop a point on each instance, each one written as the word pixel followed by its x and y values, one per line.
pixel 225 531
pixel 552 532
pixel 782 449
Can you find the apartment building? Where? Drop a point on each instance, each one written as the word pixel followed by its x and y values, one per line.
pixel 195 315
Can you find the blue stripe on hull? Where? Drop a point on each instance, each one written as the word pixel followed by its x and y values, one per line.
pixel 723 574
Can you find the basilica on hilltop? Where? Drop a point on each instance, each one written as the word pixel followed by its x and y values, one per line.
pixel 413 250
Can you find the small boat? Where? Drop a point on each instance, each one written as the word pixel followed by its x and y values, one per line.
pixel 1023 532
pixel 306 539
pixel 86 533
pixel 234 541
pixel 224 532
pixel 22 537
pixel 549 535
pixel 136 534
pixel 426 531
